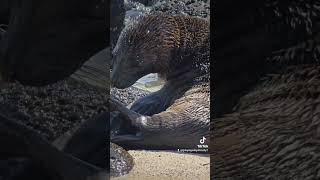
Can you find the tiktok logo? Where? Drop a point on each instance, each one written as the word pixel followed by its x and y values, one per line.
pixel 202 140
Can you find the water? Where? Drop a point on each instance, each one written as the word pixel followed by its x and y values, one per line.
pixel 150 82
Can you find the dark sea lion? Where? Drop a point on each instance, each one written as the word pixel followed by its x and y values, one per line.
pixel 271 130
pixel 177 48
pixel 18 140
pixel 89 142
pixel 84 148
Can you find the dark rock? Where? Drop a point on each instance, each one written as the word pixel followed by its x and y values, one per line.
pixel 120 161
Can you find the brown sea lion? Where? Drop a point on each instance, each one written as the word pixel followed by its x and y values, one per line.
pixel 274 130
pixel 177 48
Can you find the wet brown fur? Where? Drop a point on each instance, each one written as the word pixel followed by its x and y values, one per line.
pixel 178 48
pixel 172 39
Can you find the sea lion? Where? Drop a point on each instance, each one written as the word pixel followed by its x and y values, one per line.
pixel 177 48
pixel 25 142
pixel 273 132
pixel 95 131
pixel 72 149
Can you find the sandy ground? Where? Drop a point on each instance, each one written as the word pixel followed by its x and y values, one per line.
pixel 161 165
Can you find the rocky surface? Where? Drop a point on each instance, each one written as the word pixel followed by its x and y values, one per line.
pixel 120 161
pixel 128 95
pixel 50 110
pixel 54 109
pixel 199 8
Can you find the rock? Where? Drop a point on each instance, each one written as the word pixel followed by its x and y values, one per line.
pixel 128 95
pixel 199 8
pixel 63 105
pixel 121 162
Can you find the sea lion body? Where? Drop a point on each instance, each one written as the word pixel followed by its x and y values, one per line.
pixel 273 132
pixel 177 48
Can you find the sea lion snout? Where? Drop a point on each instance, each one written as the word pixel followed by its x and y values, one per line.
pixel 118 82
pixel 123 78
pixel 115 79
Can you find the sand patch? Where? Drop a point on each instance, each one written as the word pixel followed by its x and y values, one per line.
pixel 164 165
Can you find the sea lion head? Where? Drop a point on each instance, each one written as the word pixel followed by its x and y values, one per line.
pixel 145 46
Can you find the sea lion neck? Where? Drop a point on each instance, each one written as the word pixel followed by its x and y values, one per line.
pixel 179 82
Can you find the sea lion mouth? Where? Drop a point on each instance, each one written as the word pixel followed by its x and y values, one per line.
pixel 120 82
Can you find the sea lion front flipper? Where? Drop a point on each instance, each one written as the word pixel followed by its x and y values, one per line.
pixel 115 105
pixel 177 127
pixel 153 103
pixel 126 115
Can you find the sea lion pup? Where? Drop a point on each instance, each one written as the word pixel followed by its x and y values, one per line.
pixel 177 48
